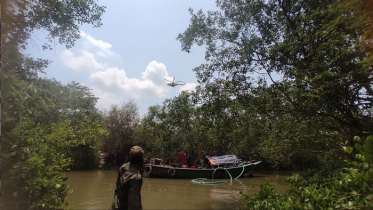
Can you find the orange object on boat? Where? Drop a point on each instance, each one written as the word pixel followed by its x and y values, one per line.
pixel 212 161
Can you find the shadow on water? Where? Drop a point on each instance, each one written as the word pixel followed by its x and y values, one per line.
pixel 95 190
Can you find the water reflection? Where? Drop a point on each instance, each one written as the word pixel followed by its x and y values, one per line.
pixel 95 190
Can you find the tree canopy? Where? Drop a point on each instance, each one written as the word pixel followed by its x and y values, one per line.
pixel 301 72
pixel 61 19
pixel 43 120
pixel 321 50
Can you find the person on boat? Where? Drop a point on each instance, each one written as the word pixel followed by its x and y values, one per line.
pixel 187 158
pixel 191 161
pixel 206 161
pixel 128 187
pixel 182 158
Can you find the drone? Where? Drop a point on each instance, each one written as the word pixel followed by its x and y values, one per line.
pixel 173 83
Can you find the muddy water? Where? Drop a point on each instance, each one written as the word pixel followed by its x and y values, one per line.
pixel 95 190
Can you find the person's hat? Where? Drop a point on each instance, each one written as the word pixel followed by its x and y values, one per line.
pixel 137 151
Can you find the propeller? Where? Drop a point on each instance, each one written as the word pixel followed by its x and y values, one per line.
pixel 170 80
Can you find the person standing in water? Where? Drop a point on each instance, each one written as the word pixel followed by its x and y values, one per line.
pixel 128 187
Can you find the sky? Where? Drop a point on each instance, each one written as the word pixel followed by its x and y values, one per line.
pixel 131 54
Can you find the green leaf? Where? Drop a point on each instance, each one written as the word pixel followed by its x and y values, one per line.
pixel 348 149
pixel 357 139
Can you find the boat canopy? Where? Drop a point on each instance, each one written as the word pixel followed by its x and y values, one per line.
pixel 223 160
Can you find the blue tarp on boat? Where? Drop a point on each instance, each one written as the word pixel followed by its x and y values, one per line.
pixel 223 160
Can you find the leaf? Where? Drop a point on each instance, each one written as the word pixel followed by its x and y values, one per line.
pixel 348 149
pixel 357 139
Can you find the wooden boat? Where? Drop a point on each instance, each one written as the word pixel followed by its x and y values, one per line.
pixel 165 171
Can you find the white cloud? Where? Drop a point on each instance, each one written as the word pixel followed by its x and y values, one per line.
pixel 156 72
pixel 104 48
pixel 113 85
pixel 107 98
pixel 188 87
pixel 85 62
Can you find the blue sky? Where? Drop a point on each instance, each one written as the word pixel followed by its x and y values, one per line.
pixel 131 54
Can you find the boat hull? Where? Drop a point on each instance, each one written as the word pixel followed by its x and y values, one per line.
pixel 193 173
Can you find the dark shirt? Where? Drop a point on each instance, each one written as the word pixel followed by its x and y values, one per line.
pixel 128 187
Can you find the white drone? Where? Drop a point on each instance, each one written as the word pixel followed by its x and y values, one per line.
pixel 173 83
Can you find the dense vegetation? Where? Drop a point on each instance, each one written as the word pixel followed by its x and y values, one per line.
pixel 287 82
pixel 349 187
pixel 47 127
pixel 316 91
pixel 322 53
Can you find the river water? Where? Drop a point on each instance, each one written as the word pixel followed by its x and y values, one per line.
pixel 95 190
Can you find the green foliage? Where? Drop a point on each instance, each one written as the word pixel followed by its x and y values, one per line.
pixel 284 81
pixel 42 120
pixel 350 187
pixel 212 120
pixel 41 155
pixel 60 18
pixel 167 129
pixel 150 133
pixel 40 142
pixel 120 124
pixel 267 198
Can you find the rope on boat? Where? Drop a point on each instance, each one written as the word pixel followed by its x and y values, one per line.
pixel 243 169
pixel 220 169
pixel 243 163
pixel 200 180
